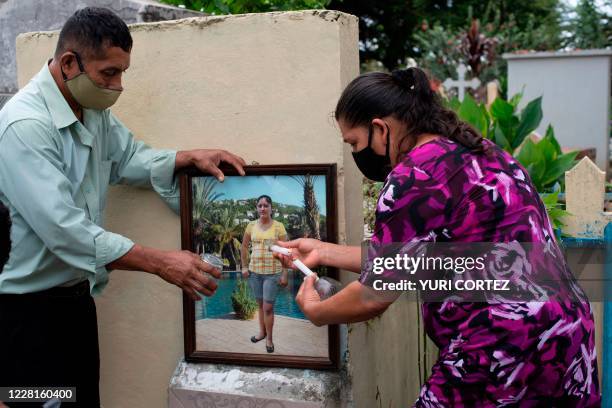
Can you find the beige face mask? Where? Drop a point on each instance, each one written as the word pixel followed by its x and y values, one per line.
pixel 87 93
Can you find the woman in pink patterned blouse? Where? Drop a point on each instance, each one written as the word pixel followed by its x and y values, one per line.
pixel 445 183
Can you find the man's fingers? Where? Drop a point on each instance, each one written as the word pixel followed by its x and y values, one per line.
pixel 205 281
pixel 215 171
pixel 192 294
pixel 208 268
pixel 198 287
pixel 236 161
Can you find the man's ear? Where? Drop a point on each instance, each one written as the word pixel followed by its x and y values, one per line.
pixel 68 64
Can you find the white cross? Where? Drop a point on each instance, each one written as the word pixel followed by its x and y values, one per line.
pixel 461 84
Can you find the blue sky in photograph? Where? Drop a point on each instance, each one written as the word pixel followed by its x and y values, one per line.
pixel 282 189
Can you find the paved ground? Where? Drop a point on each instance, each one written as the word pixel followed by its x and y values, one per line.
pixel 291 336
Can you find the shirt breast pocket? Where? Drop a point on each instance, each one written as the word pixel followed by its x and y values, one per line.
pixel 106 167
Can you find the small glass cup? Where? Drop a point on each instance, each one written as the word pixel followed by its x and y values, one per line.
pixel 213 260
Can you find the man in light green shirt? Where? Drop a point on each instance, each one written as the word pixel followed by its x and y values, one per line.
pixel 60 148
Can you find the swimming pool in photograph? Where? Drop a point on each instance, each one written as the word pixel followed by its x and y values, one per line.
pixel 220 304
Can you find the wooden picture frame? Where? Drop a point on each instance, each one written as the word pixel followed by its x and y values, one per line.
pixel 192 354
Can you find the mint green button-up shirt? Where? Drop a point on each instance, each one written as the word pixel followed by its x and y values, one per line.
pixel 54 176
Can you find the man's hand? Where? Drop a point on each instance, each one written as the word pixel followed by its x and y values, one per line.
pixel 187 271
pixel 208 161
pixel 181 268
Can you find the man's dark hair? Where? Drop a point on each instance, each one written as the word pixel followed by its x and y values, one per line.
pixel 92 29
pixel 5 235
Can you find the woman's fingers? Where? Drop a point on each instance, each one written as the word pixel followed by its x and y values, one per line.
pixel 309 282
pixel 305 292
pixel 286 260
pixel 289 244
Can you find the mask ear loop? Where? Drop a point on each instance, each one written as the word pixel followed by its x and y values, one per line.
pixel 388 151
pixel 79 63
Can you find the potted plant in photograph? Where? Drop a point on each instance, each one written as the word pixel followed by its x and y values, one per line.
pixel 243 302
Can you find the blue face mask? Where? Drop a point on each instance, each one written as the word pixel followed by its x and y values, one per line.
pixel 374 166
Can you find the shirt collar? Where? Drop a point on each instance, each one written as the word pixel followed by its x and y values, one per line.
pixel 59 109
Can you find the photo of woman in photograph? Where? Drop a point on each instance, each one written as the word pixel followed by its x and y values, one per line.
pixel 265 273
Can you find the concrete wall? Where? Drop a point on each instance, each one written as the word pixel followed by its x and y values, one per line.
pixel 22 16
pixel 263 86
pixel 576 90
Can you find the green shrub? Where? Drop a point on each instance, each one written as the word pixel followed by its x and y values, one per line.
pixel 545 162
pixel 243 302
pixel 509 129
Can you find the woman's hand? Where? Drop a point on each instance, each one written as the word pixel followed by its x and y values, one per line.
pixel 283 280
pixel 307 250
pixel 309 300
pixel 245 273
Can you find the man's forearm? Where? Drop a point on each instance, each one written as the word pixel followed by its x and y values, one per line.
pixel 139 258
pixel 181 268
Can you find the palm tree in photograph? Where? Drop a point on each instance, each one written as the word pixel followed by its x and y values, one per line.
pixel 311 208
pixel 228 231
pixel 203 195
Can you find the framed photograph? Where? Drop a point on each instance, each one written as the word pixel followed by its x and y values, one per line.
pixel 234 223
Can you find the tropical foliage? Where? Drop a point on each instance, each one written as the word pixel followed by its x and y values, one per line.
pixel 501 122
pixel 243 302
pixel 227 234
pixel 203 194
pixel 509 129
pixel 312 217
pixel 544 160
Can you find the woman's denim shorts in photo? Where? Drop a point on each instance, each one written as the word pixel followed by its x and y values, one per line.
pixel 264 286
